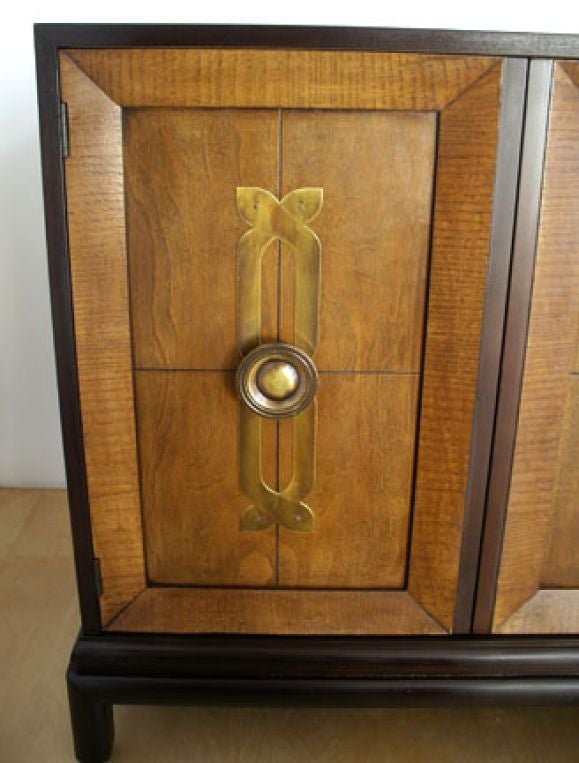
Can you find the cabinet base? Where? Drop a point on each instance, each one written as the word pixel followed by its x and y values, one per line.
pixel 109 669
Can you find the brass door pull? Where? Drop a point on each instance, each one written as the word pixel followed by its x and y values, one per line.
pixel 278 380
pixel 285 220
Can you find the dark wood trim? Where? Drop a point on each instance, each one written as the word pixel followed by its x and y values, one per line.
pixel 320 657
pixel 330 38
pixel 93 695
pixel 391 692
pixel 513 90
pixel 309 672
pixel 92 723
pixel 63 328
pixel 513 360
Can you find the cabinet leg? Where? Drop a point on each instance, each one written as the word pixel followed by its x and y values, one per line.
pixel 92 723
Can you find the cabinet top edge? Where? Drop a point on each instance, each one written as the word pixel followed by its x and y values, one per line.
pixel 52 37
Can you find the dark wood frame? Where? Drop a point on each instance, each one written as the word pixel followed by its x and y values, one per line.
pixel 107 669
pixel 309 672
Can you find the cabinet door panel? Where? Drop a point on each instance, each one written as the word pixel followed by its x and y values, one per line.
pixel 405 150
pixel 538 587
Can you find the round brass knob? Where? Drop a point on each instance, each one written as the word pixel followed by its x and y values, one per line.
pixel 277 380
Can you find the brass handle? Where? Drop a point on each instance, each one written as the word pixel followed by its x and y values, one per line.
pixel 278 380
pixel 285 220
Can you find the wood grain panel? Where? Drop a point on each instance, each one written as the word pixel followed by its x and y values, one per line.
pixel 374 228
pixel 182 610
pixel 188 423
pixel 188 436
pixel 280 78
pixel 562 564
pixel 95 214
pixel 461 241
pixel 549 612
pixel 182 168
pixel 550 358
pixel 362 495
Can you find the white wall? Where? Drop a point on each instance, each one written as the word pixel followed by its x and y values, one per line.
pixel 30 446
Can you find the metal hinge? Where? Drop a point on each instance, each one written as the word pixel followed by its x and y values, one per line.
pixel 63 128
pixel 96 565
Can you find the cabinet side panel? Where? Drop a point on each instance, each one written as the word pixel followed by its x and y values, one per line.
pixel 96 225
pixel 536 506
pixel 461 241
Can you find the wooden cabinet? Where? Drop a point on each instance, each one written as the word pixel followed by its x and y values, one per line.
pixel 406 164
pixel 384 224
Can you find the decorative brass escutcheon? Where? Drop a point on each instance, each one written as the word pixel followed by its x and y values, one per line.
pixel 278 380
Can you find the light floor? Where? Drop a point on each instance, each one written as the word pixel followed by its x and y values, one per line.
pixel 38 626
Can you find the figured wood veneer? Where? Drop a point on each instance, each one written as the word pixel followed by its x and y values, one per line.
pixel 467 92
pixel 96 230
pixel 562 563
pixel 549 611
pixel 363 490
pixel 312 79
pixel 188 436
pixel 465 179
pixel 199 610
pixel 374 227
pixel 182 167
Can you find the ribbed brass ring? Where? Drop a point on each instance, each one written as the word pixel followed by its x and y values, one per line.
pixel 277 380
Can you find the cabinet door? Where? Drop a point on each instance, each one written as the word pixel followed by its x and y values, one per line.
pixel 538 585
pixel 397 155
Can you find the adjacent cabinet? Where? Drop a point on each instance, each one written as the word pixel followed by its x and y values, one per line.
pixel 316 311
